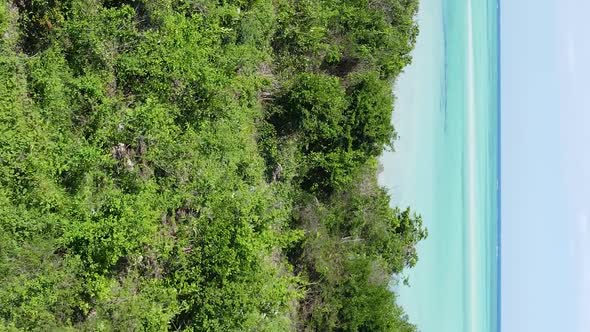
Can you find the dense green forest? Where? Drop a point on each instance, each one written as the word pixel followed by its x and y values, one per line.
pixel 200 165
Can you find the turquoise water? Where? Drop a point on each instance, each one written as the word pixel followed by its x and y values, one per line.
pixel 446 165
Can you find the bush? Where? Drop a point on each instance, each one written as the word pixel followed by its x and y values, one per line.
pixel 155 157
pixel 369 114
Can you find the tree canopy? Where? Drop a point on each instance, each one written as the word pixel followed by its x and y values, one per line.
pixel 200 165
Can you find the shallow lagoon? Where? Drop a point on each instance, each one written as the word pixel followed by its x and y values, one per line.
pixel 446 165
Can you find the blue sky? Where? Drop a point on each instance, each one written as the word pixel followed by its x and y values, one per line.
pixel 545 165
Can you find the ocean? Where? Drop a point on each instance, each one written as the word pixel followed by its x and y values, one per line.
pixel 446 166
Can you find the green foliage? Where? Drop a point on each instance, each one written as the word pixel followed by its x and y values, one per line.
pixel 369 114
pixel 346 36
pixel 3 18
pixel 379 33
pixel 200 165
pixel 338 129
pixel 314 106
pixel 354 243
pixel 367 304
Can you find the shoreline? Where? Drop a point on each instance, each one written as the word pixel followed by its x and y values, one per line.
pixel 435 134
